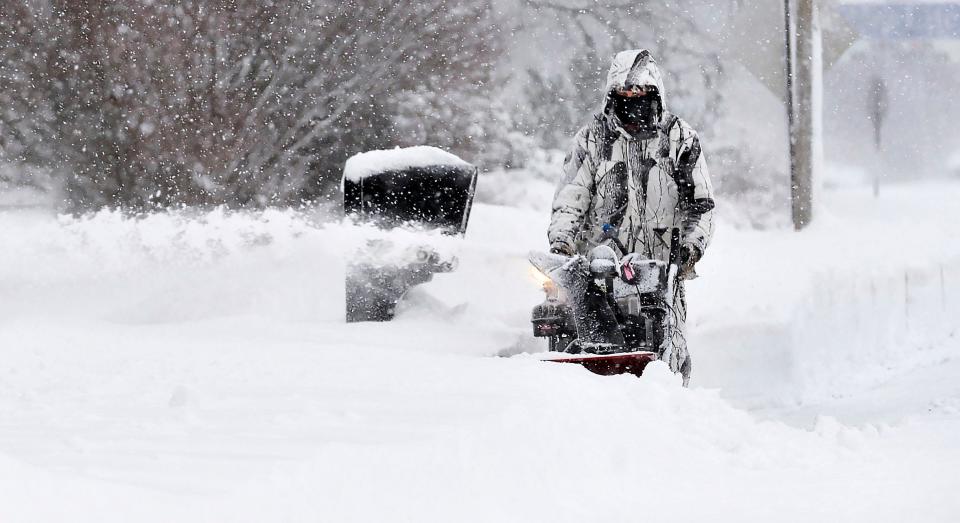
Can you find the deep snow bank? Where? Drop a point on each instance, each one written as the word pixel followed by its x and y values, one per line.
pixel 783 317
pixel 196 366
pixel 776 316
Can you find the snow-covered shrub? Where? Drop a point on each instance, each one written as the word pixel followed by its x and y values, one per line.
pixel 148 104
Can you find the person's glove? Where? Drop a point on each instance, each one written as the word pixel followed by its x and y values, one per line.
pixel 562 248
pixel 687 258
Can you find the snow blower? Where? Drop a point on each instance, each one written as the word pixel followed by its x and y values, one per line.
pixel 611 315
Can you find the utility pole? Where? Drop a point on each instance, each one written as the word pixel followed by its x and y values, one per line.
pixel 791 112
pixel 800 110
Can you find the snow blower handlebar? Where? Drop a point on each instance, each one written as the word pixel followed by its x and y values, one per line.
pixel 612 233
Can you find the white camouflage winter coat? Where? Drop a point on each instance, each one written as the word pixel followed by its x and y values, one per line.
pixel 643 188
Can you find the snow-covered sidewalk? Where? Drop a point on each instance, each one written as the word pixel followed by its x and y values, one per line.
pixel 196 368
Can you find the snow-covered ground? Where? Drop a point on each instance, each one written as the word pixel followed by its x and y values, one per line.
pixel 183 367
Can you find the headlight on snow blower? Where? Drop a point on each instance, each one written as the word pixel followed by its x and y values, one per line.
pixel 541 278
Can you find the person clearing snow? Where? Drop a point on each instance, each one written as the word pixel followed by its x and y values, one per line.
pixel 636 181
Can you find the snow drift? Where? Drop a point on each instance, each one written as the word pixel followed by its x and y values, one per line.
pixel 195 366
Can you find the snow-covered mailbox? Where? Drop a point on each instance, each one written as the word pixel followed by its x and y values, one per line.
pixel 419 188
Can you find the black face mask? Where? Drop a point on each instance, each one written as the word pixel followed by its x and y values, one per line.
pixel 638 114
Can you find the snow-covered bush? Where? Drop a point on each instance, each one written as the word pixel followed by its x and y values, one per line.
pixel 147 104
